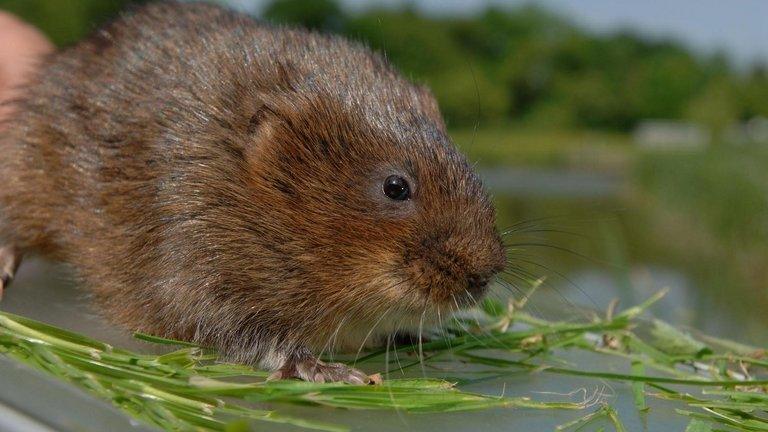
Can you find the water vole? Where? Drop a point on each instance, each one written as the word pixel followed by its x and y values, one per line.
pixel 267 191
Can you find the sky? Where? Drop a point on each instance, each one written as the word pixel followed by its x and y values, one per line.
pixel 737 27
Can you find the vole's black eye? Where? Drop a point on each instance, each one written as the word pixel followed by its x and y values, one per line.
pixel 396 188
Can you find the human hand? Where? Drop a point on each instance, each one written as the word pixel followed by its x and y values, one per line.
pixel 21 48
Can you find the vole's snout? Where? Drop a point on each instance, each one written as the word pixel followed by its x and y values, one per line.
pixel 451 269
pixel 479 281
pixel 477 285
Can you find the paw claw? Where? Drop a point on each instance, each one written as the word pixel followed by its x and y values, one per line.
pixel 320 372
pixel 275 376
pixel 375 379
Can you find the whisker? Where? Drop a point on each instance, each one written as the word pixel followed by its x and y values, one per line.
pixel 472 335
pixel 565 278
pixel 329 345
pixel 512 228
pixel 386 373
pixel 516 227
pixel 514 249
pixel 373 327
pixel 474 304
pixel 394 351
pixel 388 310
pixel 420 339
pixel 536 230
pixel 511 287
pixel 443 334
pixel 551 246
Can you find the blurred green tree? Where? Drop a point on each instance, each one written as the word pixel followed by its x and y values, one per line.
pixel 753 93
pixel 716 106
pixel 468 96
pixel 422 47
pixel 65 21
pixel 324 15
pixel 505 64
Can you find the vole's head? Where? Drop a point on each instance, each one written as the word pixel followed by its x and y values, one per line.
pixel 375 205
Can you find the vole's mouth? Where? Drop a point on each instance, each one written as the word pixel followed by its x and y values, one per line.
pixel 455 295
pixel 456 290
pixel 471 295
pixel 477 285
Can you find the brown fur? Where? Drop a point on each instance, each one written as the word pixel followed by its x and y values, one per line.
pixel 216 179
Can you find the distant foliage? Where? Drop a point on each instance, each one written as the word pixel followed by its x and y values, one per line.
pixel 529 64
pixel 65 21
pixel 525 64
pixel 315 14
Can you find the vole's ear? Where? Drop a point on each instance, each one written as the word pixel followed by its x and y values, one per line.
pixel 258 131
pixel 255 102
pixel 260 115
pixel 248 121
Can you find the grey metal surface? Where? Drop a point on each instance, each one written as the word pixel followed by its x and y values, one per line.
pixel 12 420
pixel 33 402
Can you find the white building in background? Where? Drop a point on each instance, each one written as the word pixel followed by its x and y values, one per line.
pixel 671 135
pixel 753 131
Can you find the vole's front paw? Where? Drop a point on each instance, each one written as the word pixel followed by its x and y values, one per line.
pixel 310 369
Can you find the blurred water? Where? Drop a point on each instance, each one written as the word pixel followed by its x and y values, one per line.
pixel 597 245
pixel 609 258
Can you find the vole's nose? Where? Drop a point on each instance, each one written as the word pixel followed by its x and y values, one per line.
pixel 477 283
